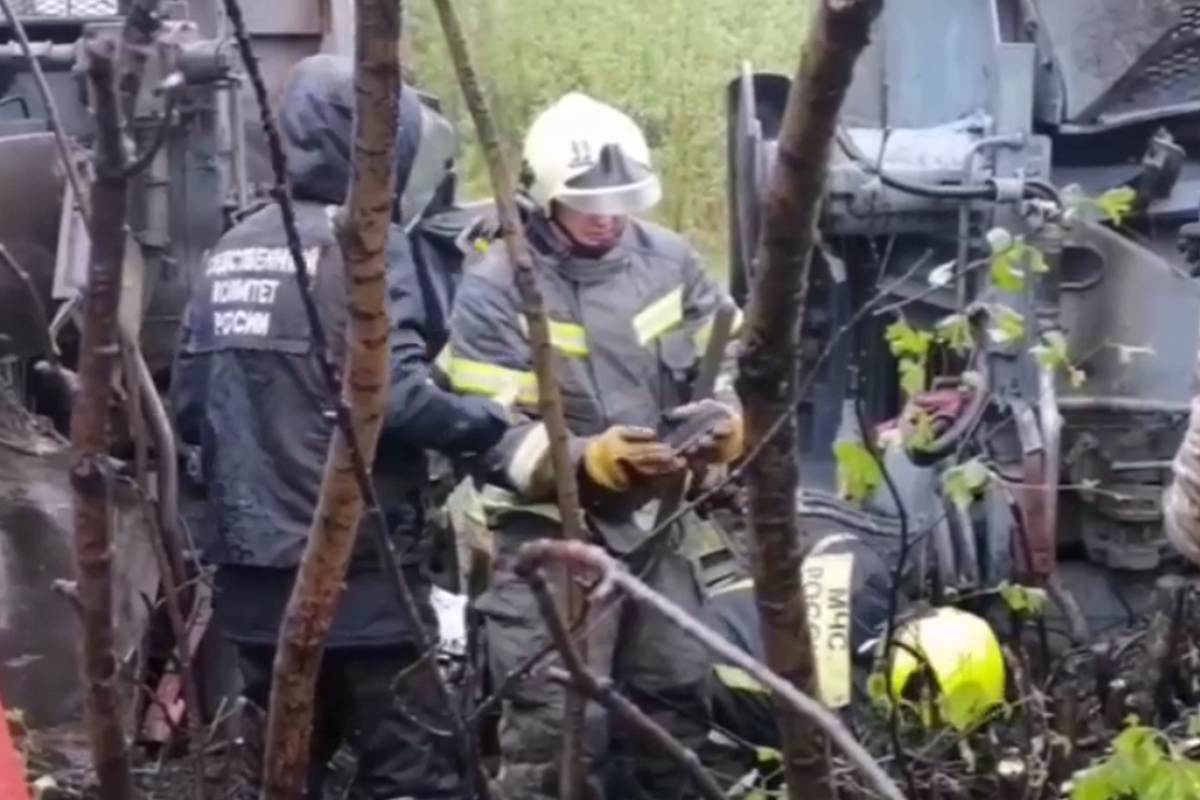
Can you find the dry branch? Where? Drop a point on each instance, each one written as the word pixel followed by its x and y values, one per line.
pixel 362 229
pixel 578 676
pixel 91 433
pixel 550 404
pixel 769 366
pixel 613 574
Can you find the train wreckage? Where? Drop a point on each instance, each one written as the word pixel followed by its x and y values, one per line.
pixel 930 158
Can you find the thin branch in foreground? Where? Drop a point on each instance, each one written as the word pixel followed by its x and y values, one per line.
pixel 550 404
pixel 591 559
pixel 91 433
pixel 768 375
pixel 578 677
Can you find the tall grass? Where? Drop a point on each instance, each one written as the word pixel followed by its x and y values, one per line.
pixel 665 62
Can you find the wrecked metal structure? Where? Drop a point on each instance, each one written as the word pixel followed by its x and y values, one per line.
pixel 938 146
pixel 208 166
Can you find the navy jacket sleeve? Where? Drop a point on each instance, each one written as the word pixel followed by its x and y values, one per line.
pixel 419 412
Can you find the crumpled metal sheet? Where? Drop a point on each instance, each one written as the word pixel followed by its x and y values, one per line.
pixel 39 632
pixel 1097 42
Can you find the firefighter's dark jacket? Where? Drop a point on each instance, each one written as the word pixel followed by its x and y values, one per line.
pixel 247 388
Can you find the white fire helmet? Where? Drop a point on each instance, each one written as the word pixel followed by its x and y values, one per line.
pixel 590 157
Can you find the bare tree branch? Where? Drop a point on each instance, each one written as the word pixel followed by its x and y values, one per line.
pixel 362 230
pixel 769 364
pixel 91 433
pixel 550 403
pixel 578 676
pixel 612 573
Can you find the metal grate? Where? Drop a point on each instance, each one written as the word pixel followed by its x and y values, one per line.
pixel 65 8
pixel 1172 78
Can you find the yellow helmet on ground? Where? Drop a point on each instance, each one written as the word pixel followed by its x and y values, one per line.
pixel 959 651
pixel 590 157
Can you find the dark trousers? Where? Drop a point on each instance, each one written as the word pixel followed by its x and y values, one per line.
pixel 651 659
pixel 355 703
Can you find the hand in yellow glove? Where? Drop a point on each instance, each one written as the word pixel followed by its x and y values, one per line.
pixel 621 454
pixel 713 431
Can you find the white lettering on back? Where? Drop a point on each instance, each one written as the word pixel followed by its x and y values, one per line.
pixel 239 281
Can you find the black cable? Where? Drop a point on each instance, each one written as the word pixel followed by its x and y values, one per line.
pixel 893 604
pixel 988 192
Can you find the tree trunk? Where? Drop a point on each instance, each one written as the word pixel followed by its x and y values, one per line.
pixel 549 399
pixel 362 233
pixel 770 361
pixel 91 433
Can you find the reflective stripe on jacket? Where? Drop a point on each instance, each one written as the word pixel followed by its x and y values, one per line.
pixel 629 330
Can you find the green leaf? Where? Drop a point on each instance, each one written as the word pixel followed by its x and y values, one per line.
pixel 1095 784
pixel 912 375
pixel 1037 261
pixel 961 483
pixel 767 755
pixel 955 332
pixel 1007 324
pixel 1006 270
pixel 1051 352
pixel 920 434
pixel 1116 204
pixel 1169 782
pixel 1023 599
pixel 858 471
pixel 906 341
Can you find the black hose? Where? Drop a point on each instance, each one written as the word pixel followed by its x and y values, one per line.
pixel 988 192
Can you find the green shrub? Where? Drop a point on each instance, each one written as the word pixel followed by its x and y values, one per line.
pixel 666 62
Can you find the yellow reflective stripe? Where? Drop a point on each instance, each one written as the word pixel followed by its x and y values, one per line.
pixel 479 377
pixel 738 679
pixel 827 581
pixel 659 317
pixel 701 336
pixel 569 338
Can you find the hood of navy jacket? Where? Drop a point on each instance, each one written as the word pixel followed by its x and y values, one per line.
pixel 316 123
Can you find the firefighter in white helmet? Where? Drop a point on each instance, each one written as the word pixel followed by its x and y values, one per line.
pixel 630 311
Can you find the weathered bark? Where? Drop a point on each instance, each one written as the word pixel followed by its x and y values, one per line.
pixel 769 365
pixel 91 434
pixel 362 233
pixel 549 399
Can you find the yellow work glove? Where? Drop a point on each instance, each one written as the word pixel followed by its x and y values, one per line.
pixel 722 440
pixel 620 455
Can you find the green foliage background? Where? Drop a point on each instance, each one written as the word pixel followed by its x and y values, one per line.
pixel 666 62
